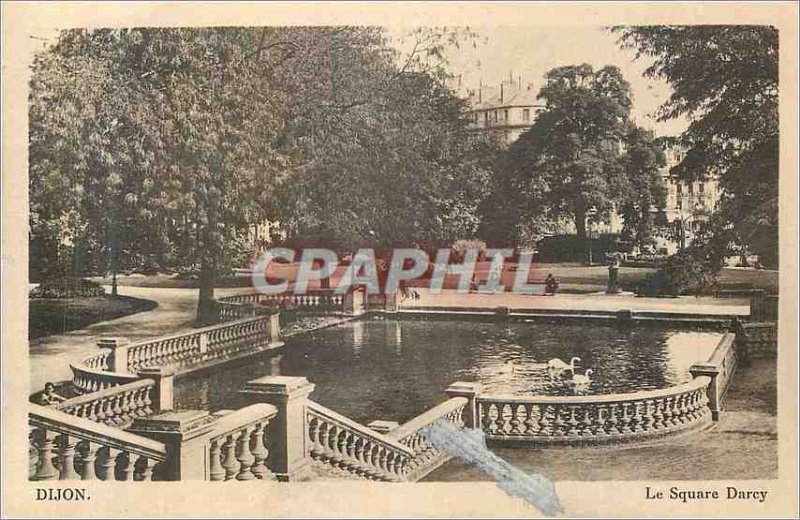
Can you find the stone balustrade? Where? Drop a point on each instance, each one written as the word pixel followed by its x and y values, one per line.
pixel 426 458
pixel 350 449
pixel 66 447
pixel 120 362
pixel 88 379
pixel 114 406
pixel 237 447
pixel 217 341
pixel 597 419
pixel 315 300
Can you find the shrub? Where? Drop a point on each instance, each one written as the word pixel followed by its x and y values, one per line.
pixel 67 287
pixel 687 272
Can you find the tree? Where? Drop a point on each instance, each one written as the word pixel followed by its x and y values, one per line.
pixel 384 152
pixel 644 193
pixel 725 80
pixel 173 139
pixel 173 142
pixel 571 163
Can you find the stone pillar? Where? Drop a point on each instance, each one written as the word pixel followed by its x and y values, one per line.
pixel 289 447
pixel 613 279
pixel 471 391
pixel 186 460
pixel 354 301
pixel 118 361
pixel 165 385
pixel 757 305
pixel 275 327
pixel 712 371
pixel 392 301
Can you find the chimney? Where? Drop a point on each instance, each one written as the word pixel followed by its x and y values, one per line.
pixel 501 92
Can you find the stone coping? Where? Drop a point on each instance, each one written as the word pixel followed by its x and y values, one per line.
pixel 576 400
pixel 84 429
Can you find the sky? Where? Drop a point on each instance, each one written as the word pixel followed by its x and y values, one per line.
pixel 531 51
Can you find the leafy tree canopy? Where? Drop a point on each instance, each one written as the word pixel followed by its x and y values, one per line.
pixel 725 80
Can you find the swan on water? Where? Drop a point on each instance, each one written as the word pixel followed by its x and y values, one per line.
pixel 582 379
pixel 557 364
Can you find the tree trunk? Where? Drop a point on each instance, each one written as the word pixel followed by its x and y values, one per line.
pixel 206 306
pixel 580 228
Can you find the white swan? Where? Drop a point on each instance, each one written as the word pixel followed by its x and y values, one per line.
pixel 582 379
pixel 557 364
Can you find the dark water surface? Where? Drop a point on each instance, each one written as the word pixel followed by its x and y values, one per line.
pixel 394 370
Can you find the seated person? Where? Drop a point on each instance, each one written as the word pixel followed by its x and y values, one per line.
pixel 50 396
pixel 550 284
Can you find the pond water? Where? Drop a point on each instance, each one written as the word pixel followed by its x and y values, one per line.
pixel 394 370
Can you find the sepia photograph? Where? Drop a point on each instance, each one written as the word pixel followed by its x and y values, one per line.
pixel 525 257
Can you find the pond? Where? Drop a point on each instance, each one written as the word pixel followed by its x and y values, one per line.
pixel 394 370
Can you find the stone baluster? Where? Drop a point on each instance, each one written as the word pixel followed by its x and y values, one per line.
pixel 88 453
pixel 587 423
pixel 66 452
pixel 107 460
pixel 244 456
pixel 572 423
pixel 259 451
pixel 216 471
pixel 146 472
pixel 559 422
pixel 531 422
pixel 612 420
pixel 45 469
pixel 229 461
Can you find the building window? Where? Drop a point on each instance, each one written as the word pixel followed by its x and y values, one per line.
pixel 702 188
pixel 526 114
pixel 691 188
pixel 505 115
pixel 680 204
pixel 495 116
pixel 680 188
pixel 486 117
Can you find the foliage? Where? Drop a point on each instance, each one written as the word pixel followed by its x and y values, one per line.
pixel 689 271
pixel 571 164
pixel 67 287
pixel 385 154
pixel 161 147
pixel 725 79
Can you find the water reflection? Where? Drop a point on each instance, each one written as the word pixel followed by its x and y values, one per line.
pixel 387 369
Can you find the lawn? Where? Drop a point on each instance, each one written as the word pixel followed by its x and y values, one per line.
pixel 59 315
pixel 573 277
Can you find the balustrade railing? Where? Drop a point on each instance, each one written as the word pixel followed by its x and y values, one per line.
pixel 314 300
pixel 351 449
pixel 216 341
pixel 115 406
pixel 595 419
pixel 427 458
pixel 87 379
pixel 65 447
pixel 237 448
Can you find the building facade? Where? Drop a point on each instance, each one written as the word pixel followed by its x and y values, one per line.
pixel 503 112
pixel 506 111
